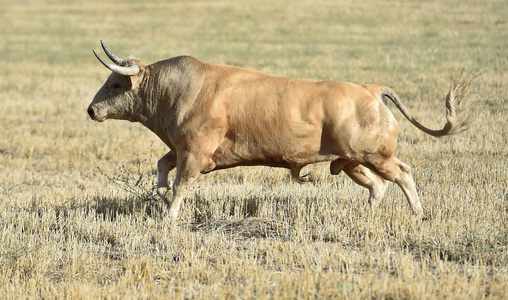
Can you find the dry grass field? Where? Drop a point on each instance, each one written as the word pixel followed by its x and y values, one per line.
pixel 78 215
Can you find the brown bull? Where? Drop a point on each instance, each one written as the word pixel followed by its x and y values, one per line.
pixel 215 116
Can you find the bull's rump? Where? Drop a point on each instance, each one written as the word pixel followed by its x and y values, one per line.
pixel 292 122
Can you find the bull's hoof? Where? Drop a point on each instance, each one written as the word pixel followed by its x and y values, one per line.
pixel 421 216
pixel 303 179
pixel 164 193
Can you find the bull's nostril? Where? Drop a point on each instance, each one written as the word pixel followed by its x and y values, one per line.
pixel 91 112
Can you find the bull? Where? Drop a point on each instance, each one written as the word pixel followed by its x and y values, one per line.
pixel 214 116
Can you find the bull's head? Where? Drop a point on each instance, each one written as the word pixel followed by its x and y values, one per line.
pixel 119 97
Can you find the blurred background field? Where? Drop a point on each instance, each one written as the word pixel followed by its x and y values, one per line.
pixel 73 222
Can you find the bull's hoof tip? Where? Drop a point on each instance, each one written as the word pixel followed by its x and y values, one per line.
pixel 422 217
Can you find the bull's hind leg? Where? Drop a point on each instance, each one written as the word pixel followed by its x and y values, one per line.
pixel 164 166
pixel 366 178
pixel 394 170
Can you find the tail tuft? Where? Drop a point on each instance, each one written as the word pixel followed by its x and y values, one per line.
pixel 461 107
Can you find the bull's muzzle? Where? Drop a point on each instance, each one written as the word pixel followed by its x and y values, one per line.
pixel 92 112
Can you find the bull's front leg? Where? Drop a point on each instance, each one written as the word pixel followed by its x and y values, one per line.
pixel 188 168
pixel 164 166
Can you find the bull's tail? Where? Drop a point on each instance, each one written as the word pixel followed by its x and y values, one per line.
pixel 460 109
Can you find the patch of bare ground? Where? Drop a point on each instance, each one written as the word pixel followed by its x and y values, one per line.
pixel 244 229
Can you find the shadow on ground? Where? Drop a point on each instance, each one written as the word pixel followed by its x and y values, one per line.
pixel 111 207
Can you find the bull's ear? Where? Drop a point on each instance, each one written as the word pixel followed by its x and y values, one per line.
pixel 137 79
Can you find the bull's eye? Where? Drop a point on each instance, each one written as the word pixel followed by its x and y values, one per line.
pixel 116 86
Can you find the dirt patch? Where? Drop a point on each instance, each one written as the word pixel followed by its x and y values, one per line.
pixel 244 229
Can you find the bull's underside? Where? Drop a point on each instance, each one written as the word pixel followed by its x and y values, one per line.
pixel 215 117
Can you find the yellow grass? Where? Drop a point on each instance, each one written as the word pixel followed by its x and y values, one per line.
pixel 71 230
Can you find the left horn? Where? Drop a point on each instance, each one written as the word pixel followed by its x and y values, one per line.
pixel 117 60
pixel 127 71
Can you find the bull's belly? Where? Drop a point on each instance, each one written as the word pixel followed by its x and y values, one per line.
pixel 271 162
pixel 230 155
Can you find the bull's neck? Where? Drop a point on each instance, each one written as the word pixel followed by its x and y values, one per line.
pixel 170 88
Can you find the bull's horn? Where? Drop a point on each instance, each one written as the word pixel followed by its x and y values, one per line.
pixel 117 60
pixel 127 71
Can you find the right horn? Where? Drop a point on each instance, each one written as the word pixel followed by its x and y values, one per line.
pixel 127 71
pixel 117 60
